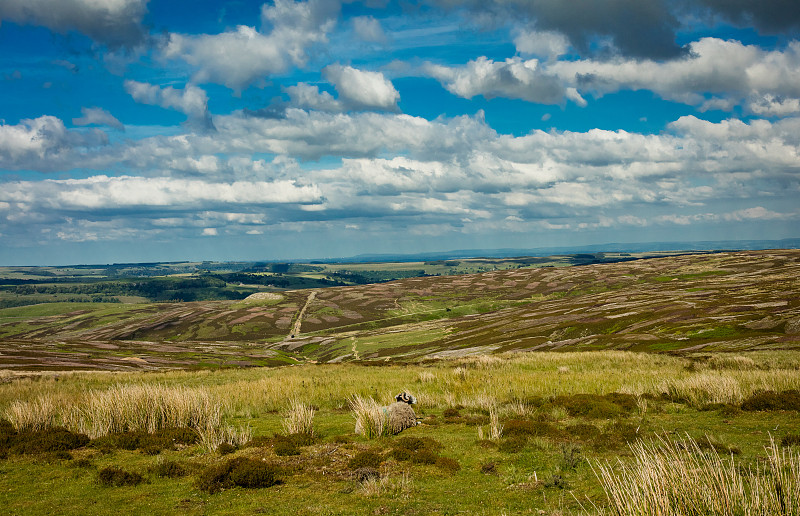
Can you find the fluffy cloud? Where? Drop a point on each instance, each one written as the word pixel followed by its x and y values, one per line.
pixel 125 192
pixel 730 73
pixel 547 44
pixel 98 116
pixel 307 96
pixel 513 78
pixel 44 143
pixel 111 22
pixel 426 175
pixel 364 89
pixel 240 57
pixel 191 101
pixel 369 29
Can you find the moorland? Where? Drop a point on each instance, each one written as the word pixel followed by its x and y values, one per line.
pixel 666 385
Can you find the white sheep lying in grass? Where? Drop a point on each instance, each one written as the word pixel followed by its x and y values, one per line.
pixel 373 420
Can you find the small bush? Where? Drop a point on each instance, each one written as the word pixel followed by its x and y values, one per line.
pixel 366 474
pixel 226 449
pixel 117 477
pixel 400 454
pixel 519 427
pixel 424 457
pixel 769 400
pixel 451 412
pixel 489 468
pixel 513 444
pixel 791 440
pixel 557 481
pixel 448 464
pixel 169 469
pixel 49 440
pixel 597 407
pixel 713 445
pixel 583 431
pixel 251 473
pixel 570 457
pixel 285 448
pixel 241 471
pixel 365 459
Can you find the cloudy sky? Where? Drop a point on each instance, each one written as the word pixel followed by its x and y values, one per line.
pixel 136 130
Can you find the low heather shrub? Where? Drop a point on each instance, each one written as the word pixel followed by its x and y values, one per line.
pixel 240 471
pixel 114 476
pixel 365 459
pixel 769 400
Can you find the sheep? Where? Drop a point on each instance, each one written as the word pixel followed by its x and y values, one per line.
pixel 401 415
pixel 396 417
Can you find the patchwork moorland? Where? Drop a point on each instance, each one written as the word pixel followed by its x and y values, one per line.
pixel 669 385
pixel 730 301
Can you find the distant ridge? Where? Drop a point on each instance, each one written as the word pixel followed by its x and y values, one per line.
pixel 705 245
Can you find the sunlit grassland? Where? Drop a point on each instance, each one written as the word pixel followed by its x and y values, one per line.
pixel 551 471
pixel 504 378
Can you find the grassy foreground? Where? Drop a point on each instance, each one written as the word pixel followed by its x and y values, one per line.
pixel 515 433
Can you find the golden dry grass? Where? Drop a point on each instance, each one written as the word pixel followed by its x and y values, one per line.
pixel 667 478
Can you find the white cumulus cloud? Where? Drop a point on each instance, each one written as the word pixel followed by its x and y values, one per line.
pixel 245 55
pixel 362 88
pixel 191 101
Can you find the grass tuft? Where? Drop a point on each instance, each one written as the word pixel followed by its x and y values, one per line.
pixel 674 478
pixel 371 419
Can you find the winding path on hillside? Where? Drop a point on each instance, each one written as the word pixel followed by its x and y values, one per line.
pixel 296 328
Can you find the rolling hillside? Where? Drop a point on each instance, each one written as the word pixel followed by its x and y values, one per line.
pixel 721 301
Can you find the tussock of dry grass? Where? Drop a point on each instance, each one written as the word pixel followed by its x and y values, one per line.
pixel 299 419
pixel 678 478
pixel 144 408
pixel 371 419
pixel 34 415
pixel 396 486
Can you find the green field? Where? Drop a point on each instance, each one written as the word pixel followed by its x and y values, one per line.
pixel 560 424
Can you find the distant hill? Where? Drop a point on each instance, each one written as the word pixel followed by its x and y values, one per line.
pixel 639 247
pixel 744 300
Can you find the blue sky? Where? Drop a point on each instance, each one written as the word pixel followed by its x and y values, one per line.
pixel 136 130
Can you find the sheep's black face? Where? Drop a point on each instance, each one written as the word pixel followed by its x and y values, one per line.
pixel 404 397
